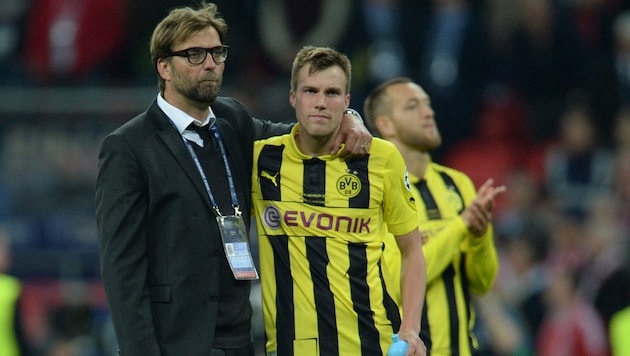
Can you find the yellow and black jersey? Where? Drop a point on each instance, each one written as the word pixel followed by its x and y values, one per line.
pixel 320 222
pixel 457 262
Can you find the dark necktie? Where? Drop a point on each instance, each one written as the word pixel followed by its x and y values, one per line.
pixel 204 133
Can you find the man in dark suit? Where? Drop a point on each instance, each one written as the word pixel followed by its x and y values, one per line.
pixel 172 195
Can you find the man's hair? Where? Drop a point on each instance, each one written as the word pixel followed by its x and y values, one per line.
pixel 378 103
pixel 320 58
pixel 179 25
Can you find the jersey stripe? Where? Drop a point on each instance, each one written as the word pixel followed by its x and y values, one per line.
pixel 314 182
pixel 357 273
pixel 285 321
pixel 448 276
pixel 359 167
pixel 391 308
pixel 271 159
pixel 433 212
pixel 425 328
pixel 324 299
pixel 467 300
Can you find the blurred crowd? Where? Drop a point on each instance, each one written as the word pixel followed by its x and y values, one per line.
pixel 534 93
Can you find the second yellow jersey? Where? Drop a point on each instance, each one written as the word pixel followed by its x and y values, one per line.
pixel 458 264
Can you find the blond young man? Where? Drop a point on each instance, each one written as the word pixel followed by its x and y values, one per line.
pixel 321 224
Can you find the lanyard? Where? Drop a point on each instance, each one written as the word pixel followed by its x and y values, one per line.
pixel 215 206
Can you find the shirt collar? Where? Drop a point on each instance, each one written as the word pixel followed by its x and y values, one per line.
pixel 292 142
pixel 181 119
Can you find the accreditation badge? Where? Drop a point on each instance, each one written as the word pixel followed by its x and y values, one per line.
pixel 236 246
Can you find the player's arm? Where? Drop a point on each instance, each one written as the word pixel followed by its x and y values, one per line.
pixel 353 134
pixel 482 263
pixel 413 287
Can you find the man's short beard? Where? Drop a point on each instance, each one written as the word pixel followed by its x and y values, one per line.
pixel 435 144
pixel 203 94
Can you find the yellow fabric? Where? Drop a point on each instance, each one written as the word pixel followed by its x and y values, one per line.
pixel 9 293
pixel 320 239
pixel 620 332
pixel 446 242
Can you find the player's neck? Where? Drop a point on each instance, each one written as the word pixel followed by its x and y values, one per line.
pixel 417 161
pixel 314 146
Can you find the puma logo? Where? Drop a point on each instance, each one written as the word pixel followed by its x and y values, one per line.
pixel 272 178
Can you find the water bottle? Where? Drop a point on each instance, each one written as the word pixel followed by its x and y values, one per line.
pixel 398 347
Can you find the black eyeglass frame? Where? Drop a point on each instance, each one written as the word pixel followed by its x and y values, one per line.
pixel 214 53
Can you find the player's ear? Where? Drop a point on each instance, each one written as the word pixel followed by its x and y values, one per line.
pixel 384 126
pixel 292 98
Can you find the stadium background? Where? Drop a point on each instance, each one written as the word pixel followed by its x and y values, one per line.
pixel 504 77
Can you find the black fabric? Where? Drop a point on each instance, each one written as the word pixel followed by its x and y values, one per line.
pixel 205 134
pixel 214 168
pixel 433 211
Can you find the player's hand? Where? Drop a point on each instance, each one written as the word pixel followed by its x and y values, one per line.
pixel 416 346
pixel 355 137
pixel 478 215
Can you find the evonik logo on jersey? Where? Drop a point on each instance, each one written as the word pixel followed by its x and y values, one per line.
pixel 273 219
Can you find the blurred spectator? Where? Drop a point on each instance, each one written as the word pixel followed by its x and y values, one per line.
pixel 522 278
pixel 500 330
pixel 385 57
pixel 497 145
pixel 244 74
pixel 512 314
pixel 565 241
pixel 73 326
pixel 621 128
pixel 522 205
pixel 283 27
pixel 577 169
pixel 73 41
pixel 11 18
pixel 447 47
pixel 604 273
pixel 621 53
pixel 592 21
pixel 545 56
pixel 12 338
pixel 503 18
pixel 571 325
pixel 621 184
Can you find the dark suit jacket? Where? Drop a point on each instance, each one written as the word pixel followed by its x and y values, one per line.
pixel 160 249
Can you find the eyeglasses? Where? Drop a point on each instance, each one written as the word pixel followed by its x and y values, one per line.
pixel 197 55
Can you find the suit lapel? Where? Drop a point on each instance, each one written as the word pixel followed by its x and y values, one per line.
pixel 175 144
